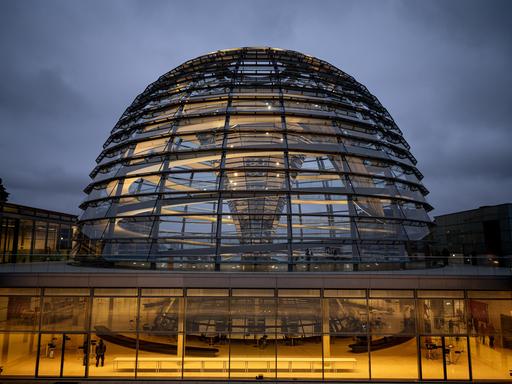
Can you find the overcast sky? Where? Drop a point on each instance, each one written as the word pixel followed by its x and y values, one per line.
pixel 442 69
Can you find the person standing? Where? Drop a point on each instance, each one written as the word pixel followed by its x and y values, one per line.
pixel 101 348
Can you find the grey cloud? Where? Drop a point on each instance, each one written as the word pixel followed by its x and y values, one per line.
pixel 442 68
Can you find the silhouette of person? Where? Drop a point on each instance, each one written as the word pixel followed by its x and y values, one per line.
pixel 101 348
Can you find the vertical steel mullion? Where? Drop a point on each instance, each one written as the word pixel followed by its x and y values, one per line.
pixel 356 255
pixel 63 335
pixel 47 226
pixel 112 212
pixel 137 328
pixel 443 346
pixel 417 334
pixel 468 334
pixel 32 240
pixel 222 166
pixel 164 171
pixel 276 350
pixel 368 336
pixel 355 235
pixel 157 210
pixel 289 232
pixel 322 312
pixel 229 332
pixel 184 331
pixel 88 330
pixel 39 326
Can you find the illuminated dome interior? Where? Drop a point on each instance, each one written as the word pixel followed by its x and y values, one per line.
pixel 255 159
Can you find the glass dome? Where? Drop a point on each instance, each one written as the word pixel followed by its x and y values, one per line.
pixel 255 159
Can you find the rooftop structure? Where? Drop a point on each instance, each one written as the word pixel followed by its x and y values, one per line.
pixel 255 159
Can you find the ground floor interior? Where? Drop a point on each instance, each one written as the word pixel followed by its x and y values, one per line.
pixel 243 360
pixel 255 334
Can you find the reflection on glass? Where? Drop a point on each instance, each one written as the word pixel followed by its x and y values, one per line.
pixel 206 350
pixel 392 316
pixel 114 313
pixel 25 236
pixel 65 313
pixel 347 316
pixel 19 312
pixel 256 333
pixel 442 316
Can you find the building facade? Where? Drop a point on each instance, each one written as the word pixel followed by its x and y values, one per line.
pixel 33 234
pixel 255 215
pixel 478 236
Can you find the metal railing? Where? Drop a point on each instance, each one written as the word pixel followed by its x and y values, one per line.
pixel 429 265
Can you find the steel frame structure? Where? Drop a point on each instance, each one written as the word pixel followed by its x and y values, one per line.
pixel 255 159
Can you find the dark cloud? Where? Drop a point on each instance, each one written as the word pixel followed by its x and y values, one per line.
pixel 442 68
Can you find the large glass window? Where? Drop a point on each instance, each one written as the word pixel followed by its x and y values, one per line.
pixel 386 350
pixel 300 329
pixel 65 313
pixel 18 353
pixel 112 354
pixel 392 316
pixel 25 236
pixel 51 241
pixel 310 226
pixel 320 204
pixel 40 237
pixel 241 139
pixel 161 337
pixel 255 180
pixel 19 312
pixel 345 341
pixel 311 162
pixel 304 180
pixel 253 336
pixel 442 316
pixel 250 334
pixel 206 351
pixel 111 314
pixel 191 182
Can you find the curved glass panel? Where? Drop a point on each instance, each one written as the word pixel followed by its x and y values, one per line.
pixel 256 159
